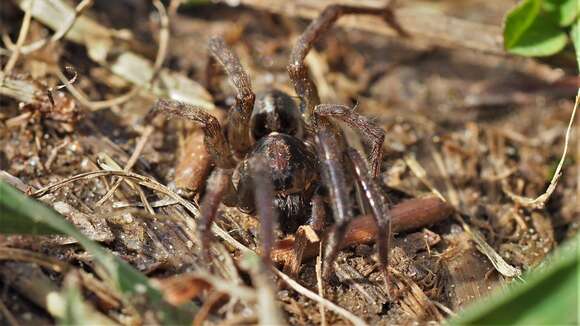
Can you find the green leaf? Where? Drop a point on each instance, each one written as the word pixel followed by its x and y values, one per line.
pixel 518 21
pixel 562 12
pixel 527 32
pixel 548 295
pixel 24 215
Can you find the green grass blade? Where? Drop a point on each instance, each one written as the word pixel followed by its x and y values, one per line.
pixel 548 295
pixel 20 214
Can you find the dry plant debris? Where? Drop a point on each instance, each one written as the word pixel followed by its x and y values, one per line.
pixel 485 132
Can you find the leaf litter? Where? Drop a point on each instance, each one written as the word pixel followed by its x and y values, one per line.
pixel 451 118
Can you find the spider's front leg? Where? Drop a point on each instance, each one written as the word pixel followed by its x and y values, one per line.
pixel 264 201
pixel 297 69
pixel 219 183
pixel 240 113
pixel 214 139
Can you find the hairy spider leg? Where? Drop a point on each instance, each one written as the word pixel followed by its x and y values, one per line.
pixel 373 135
pixel 218 186
pixel 219 182
pixel 330 152
pixel 241 111
pixel 214 139
pixel 379 207
pixel 329 139
pixel 297 69
pixel 264 201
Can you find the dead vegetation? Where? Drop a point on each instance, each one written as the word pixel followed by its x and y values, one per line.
pixel 482 130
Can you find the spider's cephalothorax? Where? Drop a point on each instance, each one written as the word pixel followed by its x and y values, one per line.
pixel 276 129
pixel 268 162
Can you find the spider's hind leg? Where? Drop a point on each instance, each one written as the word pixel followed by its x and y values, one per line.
pixel 379 208
pixel 372 134
pixel 330 148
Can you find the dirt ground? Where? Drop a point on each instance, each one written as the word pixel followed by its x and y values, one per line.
pixel 481 126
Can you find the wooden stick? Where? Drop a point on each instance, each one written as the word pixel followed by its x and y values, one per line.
pixel 408 215
pixel 428 28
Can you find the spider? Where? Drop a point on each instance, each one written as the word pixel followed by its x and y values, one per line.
pixel 289 160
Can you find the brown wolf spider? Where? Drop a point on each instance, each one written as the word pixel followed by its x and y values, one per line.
pixel 287 165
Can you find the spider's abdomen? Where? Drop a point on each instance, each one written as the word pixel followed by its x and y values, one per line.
pixel 292 163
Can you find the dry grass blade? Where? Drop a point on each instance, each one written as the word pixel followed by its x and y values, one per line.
pixel 20 89
pixel 140 179
pixel 107 163
pixel 99 41
pixel 421 174
pixel 497 261
pixel 35 46
pixel 540 201
pixel 21 38
pixel 132 160
pixel 315 297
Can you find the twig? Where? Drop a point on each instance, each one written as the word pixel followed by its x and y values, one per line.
pixel 95 105
pixel 315 297
pixel 540 201
pixel 21 38
pixel 430 28
pixel 320 285
pixel 408 215
pixel 33 257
